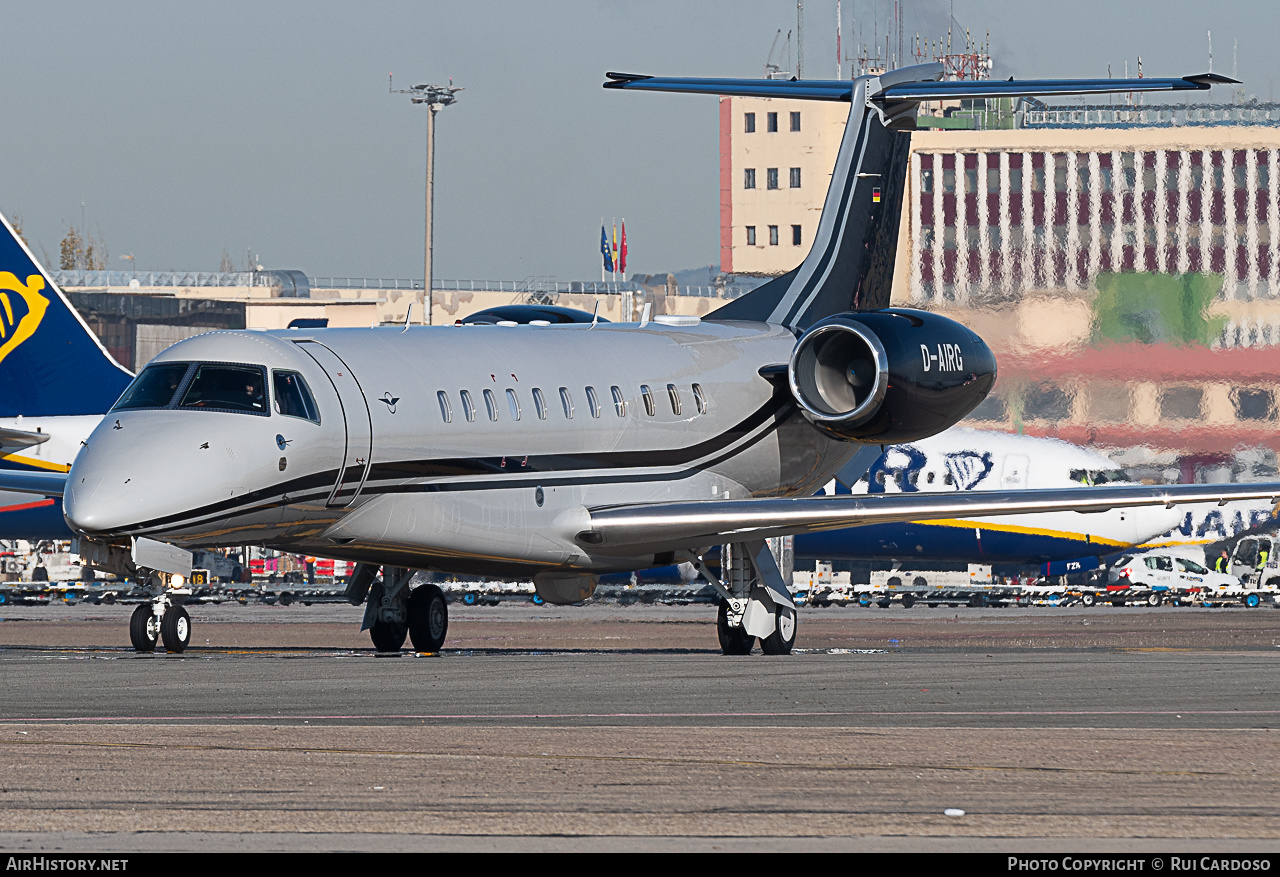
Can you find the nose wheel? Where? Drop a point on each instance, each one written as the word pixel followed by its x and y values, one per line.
pixel 160 621
pixel 144 629
pixel 175 629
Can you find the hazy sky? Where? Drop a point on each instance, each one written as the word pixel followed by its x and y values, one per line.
pixel 190 128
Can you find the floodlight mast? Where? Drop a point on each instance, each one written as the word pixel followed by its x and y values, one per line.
pixel 436 97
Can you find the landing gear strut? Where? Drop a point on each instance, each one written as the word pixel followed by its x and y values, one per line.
pixel 755 601
pixel 393 611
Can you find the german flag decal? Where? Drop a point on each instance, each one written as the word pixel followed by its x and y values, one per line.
pixel 875 195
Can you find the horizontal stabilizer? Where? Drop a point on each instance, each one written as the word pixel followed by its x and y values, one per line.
pixel 686 525
pixel 39 483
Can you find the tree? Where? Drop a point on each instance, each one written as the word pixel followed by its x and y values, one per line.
pixel 81 252
pixel 227 266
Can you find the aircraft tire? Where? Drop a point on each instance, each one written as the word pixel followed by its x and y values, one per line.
pixel 428 618
pixel 783 638
pixel 733 640
pixel 387 636
pixel 175 629
pixel 143 631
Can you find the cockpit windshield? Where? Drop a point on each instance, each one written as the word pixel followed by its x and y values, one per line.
pixel 227 388
pixel 155 387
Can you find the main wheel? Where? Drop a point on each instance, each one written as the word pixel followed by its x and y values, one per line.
pixel 175 629
pixel 388 636
pixel 143 629
pixel 428 618
pixel 783 638
pixel 733 640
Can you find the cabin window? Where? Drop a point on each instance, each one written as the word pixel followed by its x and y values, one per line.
pixel 513 404
pixel 619 404
pixel 155 387
pixel 539 404
pixel 593 403
pixel 446 411
pixel 240 388
pixel 649 407
pixel 566 402
pixel 491 405
pixel 929 478
pixel 674 395
pixel 468 407
pixel 293 397
pixel 699 399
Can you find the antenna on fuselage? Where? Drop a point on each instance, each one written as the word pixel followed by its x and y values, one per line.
pixel 408 317
pixel 595 314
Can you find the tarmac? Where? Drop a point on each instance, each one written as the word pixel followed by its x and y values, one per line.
pixel 622 728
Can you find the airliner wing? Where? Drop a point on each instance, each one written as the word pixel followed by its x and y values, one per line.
pixel 39 483
pixel 20 438
pixel 632 529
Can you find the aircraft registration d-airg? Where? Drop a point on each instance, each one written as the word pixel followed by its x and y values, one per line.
pixel 560 452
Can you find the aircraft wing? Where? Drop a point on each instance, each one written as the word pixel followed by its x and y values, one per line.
pixel 39 483
pixel 20 438
pixel 632 529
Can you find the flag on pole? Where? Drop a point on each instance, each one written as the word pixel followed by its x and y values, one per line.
pixel 604 250
pixel 622 251
pixel 615 245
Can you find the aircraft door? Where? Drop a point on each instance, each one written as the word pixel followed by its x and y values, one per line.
pixel 357 422
pixel 1014 474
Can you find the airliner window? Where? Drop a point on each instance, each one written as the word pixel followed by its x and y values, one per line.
pixel 566 401
pixel 293 397
pixel 675 399
pixel 491 405
pixel 700 398
pixel 514 404
pixel 228 388
pixel 647 394
pixel 468 407
pixel 592 402
pixel 619 404
pixel 446 410
pixel 155 387
pixel 539 404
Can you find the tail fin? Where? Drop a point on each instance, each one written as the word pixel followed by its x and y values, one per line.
pixel 51 363
pixel 851 261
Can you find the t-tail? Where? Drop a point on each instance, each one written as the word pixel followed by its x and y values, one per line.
pixel 51 363
pixel 851 260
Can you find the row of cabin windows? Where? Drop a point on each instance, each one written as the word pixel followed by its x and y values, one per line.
pixel 770 177
pixel 771 122
pixel 541 408
pixel 773 235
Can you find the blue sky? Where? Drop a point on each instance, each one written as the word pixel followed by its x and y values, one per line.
pixel 190 128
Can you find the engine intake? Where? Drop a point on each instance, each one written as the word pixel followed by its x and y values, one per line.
pixel 889 376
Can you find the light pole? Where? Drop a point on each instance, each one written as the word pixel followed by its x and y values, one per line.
pixel 436 97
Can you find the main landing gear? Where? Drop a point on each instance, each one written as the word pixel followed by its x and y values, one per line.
pixel 394 611
pixel 755 603
pixel 161 620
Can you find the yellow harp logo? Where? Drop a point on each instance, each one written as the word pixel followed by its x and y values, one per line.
pixel 14 332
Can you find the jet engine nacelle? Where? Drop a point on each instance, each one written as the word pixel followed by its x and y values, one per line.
pixel 892 375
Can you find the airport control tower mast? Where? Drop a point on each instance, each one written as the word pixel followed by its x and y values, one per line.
pixel 436 97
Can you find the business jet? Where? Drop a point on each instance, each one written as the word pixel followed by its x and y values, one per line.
pixel 56 382
pixel 962 459
pixel 564 451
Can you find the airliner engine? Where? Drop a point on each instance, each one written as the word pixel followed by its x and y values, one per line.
pixel 891 375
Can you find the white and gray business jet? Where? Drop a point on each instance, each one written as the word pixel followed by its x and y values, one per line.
pixel 564 451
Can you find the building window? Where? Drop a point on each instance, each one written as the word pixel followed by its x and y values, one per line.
pixel 795 178
pixel 1181 403
pixel 1046 402
pixel 795 235
pixel 771 178
pixel 773 123
pixel 773 235
pixel 1254 404
pixel 749 123
pixel 751 235
pixel 795 121
pixel 991 410
pixel 749 178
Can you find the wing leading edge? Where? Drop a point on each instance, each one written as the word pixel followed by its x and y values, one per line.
pixel 39 483
pixel 686 525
